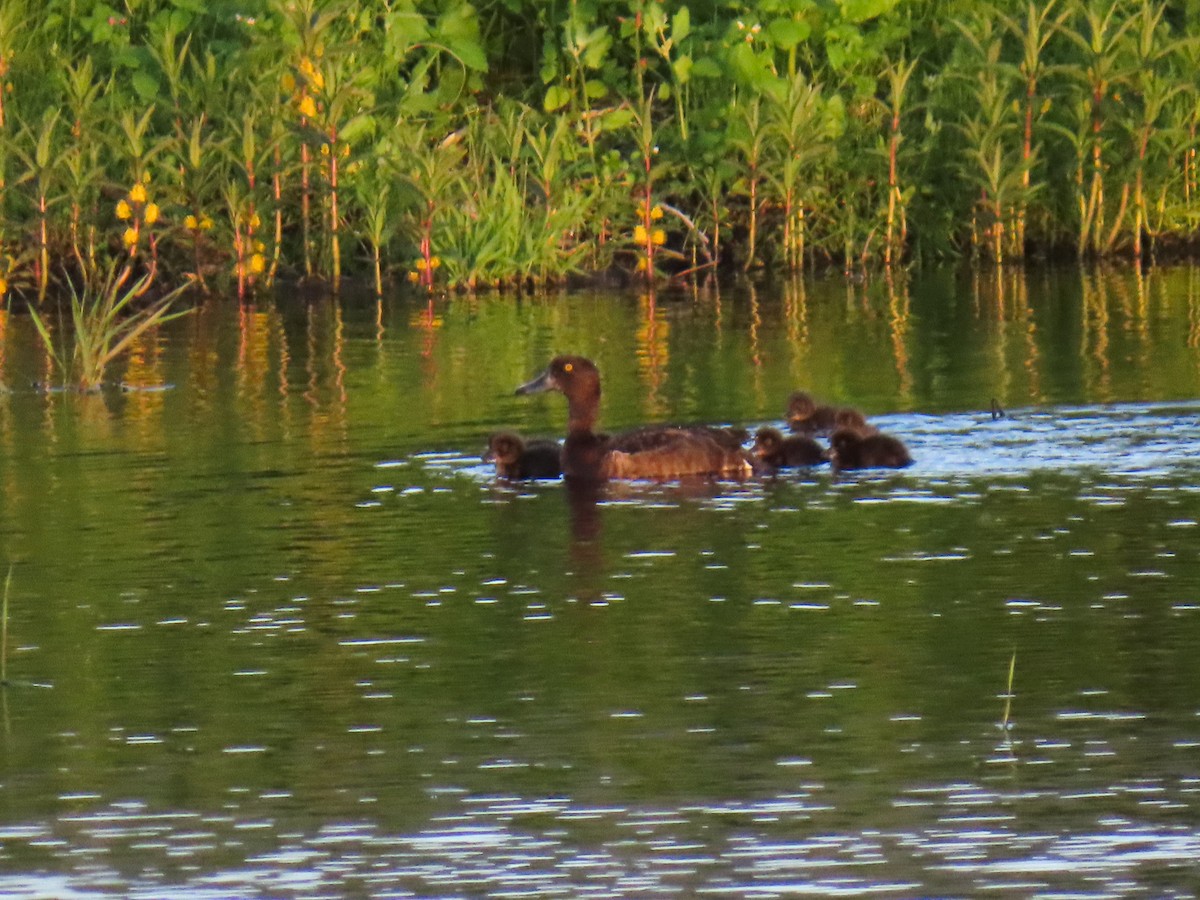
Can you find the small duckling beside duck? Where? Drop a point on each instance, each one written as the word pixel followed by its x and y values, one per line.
pixel 516 458
pixel 781 452
pixel 806 416
pixel 649 452
pixel 849 449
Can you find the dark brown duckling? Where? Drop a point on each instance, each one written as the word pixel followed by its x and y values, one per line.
pixel 516 458
pixel 781 452
pixel 850 418
pixel 850 450
pixel 806 416
pixel 658 451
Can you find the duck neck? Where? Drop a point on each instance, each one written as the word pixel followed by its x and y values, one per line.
pixel 582 411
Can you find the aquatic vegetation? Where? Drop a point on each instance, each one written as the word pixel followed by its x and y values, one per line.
pixel 325 140
pixel 105 321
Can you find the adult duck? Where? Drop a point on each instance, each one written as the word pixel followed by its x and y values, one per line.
pixel 517 458
pixel 806 416
pixel 850 450
pixel 653 451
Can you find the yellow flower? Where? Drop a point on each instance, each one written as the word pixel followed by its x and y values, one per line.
pixel 3 286
pixel 137 193
pixel 190 223
pixel 145 178
pixel 258 263
pixel 658 236
pixel 422 265
pixel 324 149
pixel 151 213
pixel 308 106
pixel 414 277
pixel 259 246
pixel 641 264
pixel 123 210
pixel 318 80
pixel 255 221
pixel 345 150
pixel 130 237
pixel 205 223
pixel 656 213
pixel 639 234
pixel 435 262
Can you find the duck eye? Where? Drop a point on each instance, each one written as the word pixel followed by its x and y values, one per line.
pixel 568 367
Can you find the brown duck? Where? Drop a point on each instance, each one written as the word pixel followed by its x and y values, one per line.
pixel 781 452
pixel 806 416
pixel 653 451
pixel 850 450
pixel 517 458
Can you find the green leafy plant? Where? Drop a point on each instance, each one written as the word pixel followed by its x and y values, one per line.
pixel 105 321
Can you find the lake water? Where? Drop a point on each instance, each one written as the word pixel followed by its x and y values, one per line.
pixel 276 631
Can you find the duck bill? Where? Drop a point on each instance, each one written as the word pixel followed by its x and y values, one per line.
pixel 543 382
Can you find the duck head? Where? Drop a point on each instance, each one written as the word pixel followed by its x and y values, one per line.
pixel 504 448
pixel 767 442
pixel 800 406
pixel 576 378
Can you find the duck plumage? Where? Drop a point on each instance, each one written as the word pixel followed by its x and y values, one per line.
pixel 806 416
pixel 652 451
pixel 516 458
pixel 850 450
pixel 781 452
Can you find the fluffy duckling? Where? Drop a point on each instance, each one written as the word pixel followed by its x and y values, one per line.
pixel 850 450
pixel 781 452
pixel 516 458
pixel 806 416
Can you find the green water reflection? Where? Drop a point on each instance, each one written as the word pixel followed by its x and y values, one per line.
pixel 284 593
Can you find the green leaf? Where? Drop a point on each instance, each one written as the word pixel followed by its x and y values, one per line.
pixel 557 97
pixel 145 84
pixel 859 11
pixel 471 54
pixel 356 128
pixel 787 33
pixel 459 24
pixel 408 28
pixel 681 25
pixel 654 18
pixel 707 67
pixel 617 119
pixel 682 68
pixel 596 46
pixel 595 89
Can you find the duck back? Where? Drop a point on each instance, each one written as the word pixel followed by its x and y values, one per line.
pixel 671 452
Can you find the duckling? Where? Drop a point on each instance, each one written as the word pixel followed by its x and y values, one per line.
pixel 653 451
pixel 806 416
pixel 781 452
pixel 516 458
pixel 850 450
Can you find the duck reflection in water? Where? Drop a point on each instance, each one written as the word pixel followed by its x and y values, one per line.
pixel 650 452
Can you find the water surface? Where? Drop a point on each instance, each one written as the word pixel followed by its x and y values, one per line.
pixel 277 631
